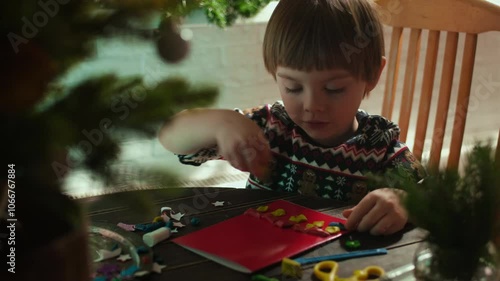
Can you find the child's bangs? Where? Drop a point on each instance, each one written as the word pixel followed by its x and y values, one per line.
pixel 311 49
pixel 323 34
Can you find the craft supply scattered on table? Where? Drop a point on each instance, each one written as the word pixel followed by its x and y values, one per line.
pixel 293 267
pixel 195 221
pixel 260 277
pixel 160 229
pixel 154 237
pixel 352 244
pixel 327 271
pixel 104 254
pixel 124 258
pixel 218 203
pixel 257 230
pixel 158 267
pixel 131 257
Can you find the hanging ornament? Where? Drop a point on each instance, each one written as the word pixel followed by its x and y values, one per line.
pixel 171 46
pixel 26 73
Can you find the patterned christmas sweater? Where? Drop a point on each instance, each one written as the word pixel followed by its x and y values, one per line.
pixel 340 172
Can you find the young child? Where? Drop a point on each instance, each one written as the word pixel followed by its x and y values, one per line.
pixel 326 56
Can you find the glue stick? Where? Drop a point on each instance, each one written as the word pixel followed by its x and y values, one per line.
pixel 154 237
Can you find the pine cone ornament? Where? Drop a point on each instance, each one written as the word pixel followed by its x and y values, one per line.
pixel 172 48
pixel 26 74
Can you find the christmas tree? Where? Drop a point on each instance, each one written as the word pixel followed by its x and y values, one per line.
pixel 44 119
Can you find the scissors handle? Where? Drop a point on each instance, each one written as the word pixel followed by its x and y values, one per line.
pixel 327 271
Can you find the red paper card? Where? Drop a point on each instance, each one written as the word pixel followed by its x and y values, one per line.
pixel 247 244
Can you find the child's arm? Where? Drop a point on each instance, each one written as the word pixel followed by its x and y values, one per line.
pixel 238 139
pixel 381 212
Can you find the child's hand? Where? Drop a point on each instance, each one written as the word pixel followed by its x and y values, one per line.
pixel 243 144
pixel 379 212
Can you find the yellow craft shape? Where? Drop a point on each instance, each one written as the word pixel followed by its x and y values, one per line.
pixel 262 209
pixel 332 229
pixel 319 223
pixel 298 219
pixel 157 219
pixel 291 268
pixel 278 212
pixel 310 225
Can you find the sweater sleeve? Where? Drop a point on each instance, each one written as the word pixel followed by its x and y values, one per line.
pixel 400 159
pixel 258 114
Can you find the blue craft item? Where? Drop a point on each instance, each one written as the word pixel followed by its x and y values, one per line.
pixel 338 224
pixel 129 271
pixel 142 250
pixel 148 227
pixel 344 256
pixel 169 224
pixel 195 221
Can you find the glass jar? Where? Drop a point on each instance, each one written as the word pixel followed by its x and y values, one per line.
pixel 434 263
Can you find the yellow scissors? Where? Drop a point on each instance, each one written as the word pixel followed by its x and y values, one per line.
pixel 327 271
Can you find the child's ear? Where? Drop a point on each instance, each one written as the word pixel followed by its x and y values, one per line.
pixel 371 85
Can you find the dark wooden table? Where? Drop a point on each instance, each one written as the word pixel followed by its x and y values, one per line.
pixel 197 202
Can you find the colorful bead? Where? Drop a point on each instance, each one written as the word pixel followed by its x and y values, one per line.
pixel 338 224
pixel 352 244
pixel 195 221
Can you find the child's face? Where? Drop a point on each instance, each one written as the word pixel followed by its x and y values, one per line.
pixel 323 103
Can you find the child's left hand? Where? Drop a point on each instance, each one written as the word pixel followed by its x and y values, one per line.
pixel 379 212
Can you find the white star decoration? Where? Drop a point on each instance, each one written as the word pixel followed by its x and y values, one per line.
pixel 179 224
pixel 218 203
pixel 177 216
pixel 158 267
pixel 124 257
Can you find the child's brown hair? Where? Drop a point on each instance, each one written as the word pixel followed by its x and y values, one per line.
pixel 325 34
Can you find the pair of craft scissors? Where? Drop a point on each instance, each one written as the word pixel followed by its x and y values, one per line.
pixel 327 271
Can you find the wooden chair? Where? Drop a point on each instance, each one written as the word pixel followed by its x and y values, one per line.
pixel 497 154
pixel 469 17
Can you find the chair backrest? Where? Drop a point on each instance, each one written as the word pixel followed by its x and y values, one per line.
pixel 497 155
pixel 469 17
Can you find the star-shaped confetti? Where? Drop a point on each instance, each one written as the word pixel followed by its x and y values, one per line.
pixel 123 258
pixel 179 224
pixel 177 216
pixel 218 203
pixel 106 254
pixel 158 267
pixel 141 273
